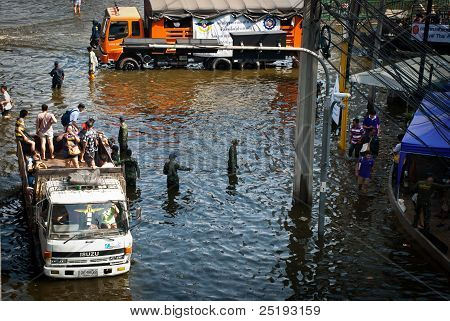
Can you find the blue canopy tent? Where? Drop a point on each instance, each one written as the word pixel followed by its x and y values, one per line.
pixel 429 131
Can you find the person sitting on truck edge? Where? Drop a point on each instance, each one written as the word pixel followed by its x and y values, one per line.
pixel 76 6
pixel 57 76
pixel 21 133
pixel 70 140
pixel 44 129
pixel 131 170
pixel 123 137
pixel 93 62
pixel 5 103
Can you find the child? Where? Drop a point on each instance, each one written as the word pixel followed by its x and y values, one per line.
pixel 363 171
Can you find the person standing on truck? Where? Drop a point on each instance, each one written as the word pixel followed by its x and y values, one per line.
pixel 5 103
pixel 70 117
pixel 123 137
pixel 76 6
pixel 21 133
pixel 90 144
pixel 171 168
pixel 57 76
pixel 44 129
pixel 131 170
pixel 93 63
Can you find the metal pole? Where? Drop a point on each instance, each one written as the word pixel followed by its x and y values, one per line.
pixel 324 163
pixel 306 107
pixel 425 41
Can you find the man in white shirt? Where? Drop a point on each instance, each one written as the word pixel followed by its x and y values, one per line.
pixel 5 103
pixel 44 129
pixel 93 62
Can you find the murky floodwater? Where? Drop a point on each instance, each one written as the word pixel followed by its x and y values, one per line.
pixel 216 240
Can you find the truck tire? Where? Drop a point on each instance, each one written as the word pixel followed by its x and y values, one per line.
pixel 221 63
pixel 128 63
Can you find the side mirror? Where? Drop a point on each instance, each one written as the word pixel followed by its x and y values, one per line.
pixel 138 213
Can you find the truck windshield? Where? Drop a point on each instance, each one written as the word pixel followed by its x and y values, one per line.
pixel 88 218
pixel 118 30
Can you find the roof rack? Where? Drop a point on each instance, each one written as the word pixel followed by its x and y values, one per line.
pixel 104 183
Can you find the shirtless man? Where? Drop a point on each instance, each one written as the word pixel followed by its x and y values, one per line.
pixel 44 129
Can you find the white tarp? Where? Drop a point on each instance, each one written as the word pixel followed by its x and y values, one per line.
pixel 407 71
pixel 437 33
pixel 219 28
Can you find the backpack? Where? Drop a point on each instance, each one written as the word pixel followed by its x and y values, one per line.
pixel 65 118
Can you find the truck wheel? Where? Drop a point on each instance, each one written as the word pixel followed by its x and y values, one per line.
pixel 128 63
pixel 221 63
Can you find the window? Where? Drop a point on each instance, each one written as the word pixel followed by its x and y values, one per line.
pixel 118 30
pixel 86 218
pixel 104 26
pixel 135 29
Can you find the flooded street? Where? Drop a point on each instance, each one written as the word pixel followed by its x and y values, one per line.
pixel 216 240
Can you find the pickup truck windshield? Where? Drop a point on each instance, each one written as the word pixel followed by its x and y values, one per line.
pixel 88 218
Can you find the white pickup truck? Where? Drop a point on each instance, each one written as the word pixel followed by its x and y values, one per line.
pixel 81 227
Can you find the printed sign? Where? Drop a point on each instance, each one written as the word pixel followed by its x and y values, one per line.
pixel 437 33
pixel 336 113
pixel 220 28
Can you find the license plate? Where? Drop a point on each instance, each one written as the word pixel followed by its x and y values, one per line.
pixel 88 273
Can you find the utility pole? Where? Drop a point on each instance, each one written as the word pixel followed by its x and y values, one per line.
pixel 425 42
pixel 379 32
pixel 347 46
pixel 306 106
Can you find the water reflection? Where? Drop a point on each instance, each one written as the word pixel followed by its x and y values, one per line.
pixel 233 237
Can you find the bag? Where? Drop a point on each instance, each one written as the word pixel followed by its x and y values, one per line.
pixel 365 147
pixel 65 118
pixel 73 149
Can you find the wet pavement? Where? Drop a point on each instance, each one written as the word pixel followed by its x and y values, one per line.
pixel 217 239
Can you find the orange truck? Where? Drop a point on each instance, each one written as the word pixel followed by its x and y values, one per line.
pixel 130 41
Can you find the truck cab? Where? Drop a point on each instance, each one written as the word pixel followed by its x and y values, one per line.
pixel 84 230
pixel 118 23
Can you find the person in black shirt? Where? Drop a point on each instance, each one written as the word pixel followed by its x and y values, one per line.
pixel 57 76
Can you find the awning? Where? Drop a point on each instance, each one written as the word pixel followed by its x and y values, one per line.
pixel 405 73
pixel 208 9
pixel 429 131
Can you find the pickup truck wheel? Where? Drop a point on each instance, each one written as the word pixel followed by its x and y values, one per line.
pixel 128 63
